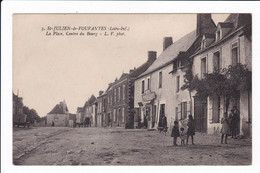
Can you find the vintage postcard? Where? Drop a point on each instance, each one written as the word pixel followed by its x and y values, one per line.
pixel 132 89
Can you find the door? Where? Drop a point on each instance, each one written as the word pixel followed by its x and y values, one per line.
pixel 200 114
pixel 162 113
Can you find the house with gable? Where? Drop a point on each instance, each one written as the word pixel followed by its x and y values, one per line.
pixel 102 120
pixel 230 44
pixel 118 100
pixel 59 115
pixel 90 110
pixel 157 90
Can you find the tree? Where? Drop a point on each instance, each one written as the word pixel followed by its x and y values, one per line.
pixel 221 82
pixel 32 115
pixel 189 83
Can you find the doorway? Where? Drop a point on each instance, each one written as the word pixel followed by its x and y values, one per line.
pixel 200 114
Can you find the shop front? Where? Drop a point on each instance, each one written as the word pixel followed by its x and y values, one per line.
pixel 147 111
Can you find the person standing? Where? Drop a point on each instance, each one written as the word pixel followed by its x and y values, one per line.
pixel 225 130
pixel 164 123
pixel 175 132
pixel 191 129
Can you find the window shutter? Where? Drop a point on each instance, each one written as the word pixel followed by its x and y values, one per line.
pixel 179 111
pixel 176 114
pixel 188 108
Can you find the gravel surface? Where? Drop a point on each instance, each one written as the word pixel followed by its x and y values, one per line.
pixel 117 146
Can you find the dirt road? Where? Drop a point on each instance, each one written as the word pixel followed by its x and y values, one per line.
pixel 112 146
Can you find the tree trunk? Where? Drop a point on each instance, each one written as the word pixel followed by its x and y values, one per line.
pixel 227 104
pixel 190 102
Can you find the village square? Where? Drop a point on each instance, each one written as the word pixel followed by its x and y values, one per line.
pixel 189 104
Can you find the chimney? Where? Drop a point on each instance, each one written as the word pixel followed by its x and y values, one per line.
pixel 100 93
pixel 131 70
pixel 152 55
pixel 167 41
pixel 205 24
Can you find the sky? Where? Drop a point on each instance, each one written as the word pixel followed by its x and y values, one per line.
pixel 48 69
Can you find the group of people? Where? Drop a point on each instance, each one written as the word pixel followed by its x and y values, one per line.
pixel 230 125
pixel 180 132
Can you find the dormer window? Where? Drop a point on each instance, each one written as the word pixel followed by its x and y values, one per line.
pixel 203 44
pixel 218 35
pixel 179 63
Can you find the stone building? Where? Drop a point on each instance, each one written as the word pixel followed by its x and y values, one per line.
pixel 102 120
pixel 157 90
pixel 230 44
pixel 116 104
pixel 59 115
pixel 90 110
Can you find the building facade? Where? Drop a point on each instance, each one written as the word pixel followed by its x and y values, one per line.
pixel 102 119
pixel 59 115
pixel 230 44
pixel 90 110
pixel 158 90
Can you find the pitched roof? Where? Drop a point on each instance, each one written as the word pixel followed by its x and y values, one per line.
pixel 92 99
pixel 239 20
pixel 86 104
pixel 123 75
pixel 225 24
pixel 209 35
pixel 58 109
pixel 169 54
pixel 142 68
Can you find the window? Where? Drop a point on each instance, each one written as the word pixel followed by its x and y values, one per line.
pixel 118 115
pixel 160 79
pixel 203 44
pixel 118 94
pixel 216 60
pixel 216 110
pixel 114 115
pixel 176 114
pixel 123 92
pixel 203 67
pixel 123 115
pixel 184 110
pixel 217 35
pixel 179 63
pixel 177 84
pixel 234 53
pixel 148 84
pixel 114 95
pixel 142 86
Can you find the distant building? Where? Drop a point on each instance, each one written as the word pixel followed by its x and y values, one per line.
pixel 90 110
pixel 59 115
pixel 116 104
pixel 72 119
pixel 18 114
pixel 102 119
pixel 80 115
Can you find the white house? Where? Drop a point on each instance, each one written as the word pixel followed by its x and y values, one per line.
pixel 157 90
pixel 59 115
pixel 229 45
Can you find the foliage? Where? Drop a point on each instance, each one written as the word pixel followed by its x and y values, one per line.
pixel 32 115
pixel 221 82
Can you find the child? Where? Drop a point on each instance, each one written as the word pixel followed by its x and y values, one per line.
pixel 183 136
pixel 225 130
pixel 175 133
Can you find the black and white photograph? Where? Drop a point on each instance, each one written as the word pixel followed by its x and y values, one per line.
pixel 131 89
